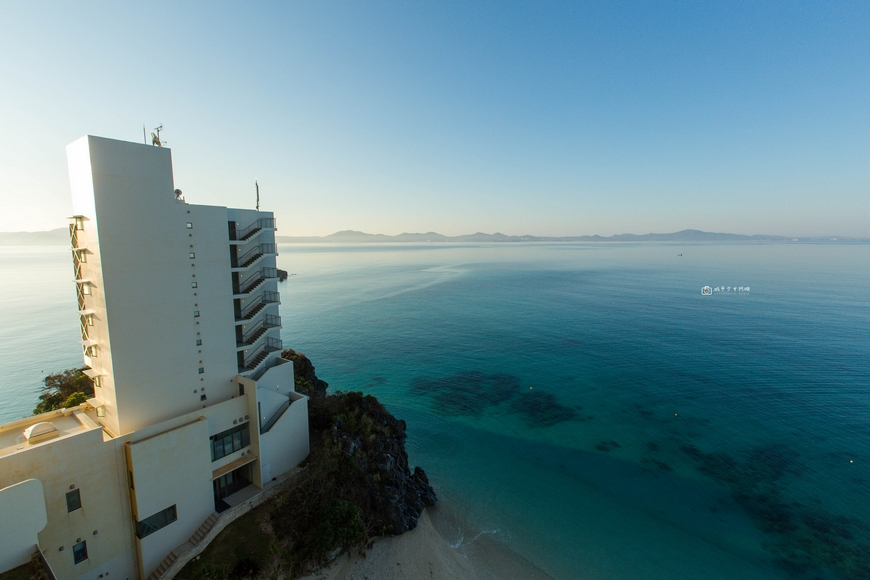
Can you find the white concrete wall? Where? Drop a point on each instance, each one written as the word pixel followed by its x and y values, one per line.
pixel 286 444
pixel 91 465
pixel 22 504
pixel 142 246
pixel 172 468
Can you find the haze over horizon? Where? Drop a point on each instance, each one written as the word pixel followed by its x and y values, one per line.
pixel 549 120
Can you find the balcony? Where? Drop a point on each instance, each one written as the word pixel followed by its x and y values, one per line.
pixel 249 258
pixel 244 288
pixel 246 234
pixel 255 359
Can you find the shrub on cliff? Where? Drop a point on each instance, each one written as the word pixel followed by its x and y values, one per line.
pixel 65 389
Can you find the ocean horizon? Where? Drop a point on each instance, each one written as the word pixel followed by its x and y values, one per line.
pixel 583 405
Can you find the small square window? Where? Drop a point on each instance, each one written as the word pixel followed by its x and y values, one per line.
pixel 190 225
pixel 198 342
pixel 80 223
pixel 196 313
pixel 193 285
pixel 86 288
pixel 90 319
pixel 80 552
pixel 201 370
pixel 98 382
pixel 192 255
pixel 73 501
pixel 83 257
pixel 202 397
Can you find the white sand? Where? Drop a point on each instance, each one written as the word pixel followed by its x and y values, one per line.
pixel 419 554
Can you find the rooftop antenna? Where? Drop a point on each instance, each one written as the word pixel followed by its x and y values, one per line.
pixel 155 137
pixel 257 186
pixel 144 135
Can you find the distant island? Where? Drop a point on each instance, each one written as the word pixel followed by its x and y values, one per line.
pixel 60 236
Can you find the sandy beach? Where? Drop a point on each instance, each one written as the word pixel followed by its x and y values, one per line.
pixel 420 553
pixel 423 553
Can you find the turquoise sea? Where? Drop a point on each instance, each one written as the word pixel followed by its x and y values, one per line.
pixel 582 410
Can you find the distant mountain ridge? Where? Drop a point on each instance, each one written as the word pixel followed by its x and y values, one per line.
pixel 60 236
pixel 356 237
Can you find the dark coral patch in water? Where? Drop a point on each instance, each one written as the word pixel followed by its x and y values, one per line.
pixel 808 542
pixel 607 446
pixel 472 392
pixel 467 393
pixel 541 409
pixel 659 464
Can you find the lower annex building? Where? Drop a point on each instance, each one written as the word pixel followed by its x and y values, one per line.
pixel 194 410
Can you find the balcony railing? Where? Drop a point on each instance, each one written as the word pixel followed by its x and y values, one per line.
pixel 252 230
pixel 255 280
pixel 252 255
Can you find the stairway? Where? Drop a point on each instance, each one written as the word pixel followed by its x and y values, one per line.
pixel 249 289
pixel 253 312
pixel 255 336
pixel 173 555
pixel 255 362
pixel 252 260
pixel 164 565
pixel 203 529
pixel 250 234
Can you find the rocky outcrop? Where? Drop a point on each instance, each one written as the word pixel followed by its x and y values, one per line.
pixel 306 380
pixel 396 495
pixel 358 483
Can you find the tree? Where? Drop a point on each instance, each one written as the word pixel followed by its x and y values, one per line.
pixel 65 389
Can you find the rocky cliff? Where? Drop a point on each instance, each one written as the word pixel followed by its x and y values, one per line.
pixel 358 485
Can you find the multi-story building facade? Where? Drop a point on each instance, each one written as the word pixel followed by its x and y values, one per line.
pixel 193 406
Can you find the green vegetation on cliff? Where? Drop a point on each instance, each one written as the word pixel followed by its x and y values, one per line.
pixel 63 390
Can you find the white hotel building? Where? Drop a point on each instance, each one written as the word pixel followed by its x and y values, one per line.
pixel 194 411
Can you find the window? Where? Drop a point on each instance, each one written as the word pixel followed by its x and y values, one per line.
pixel 201 370
pixel 230 441
pixel 190 225
pixel 98 381
pixel 86 288
pixel 91 351
pixel 73 502
pixel 80 223
pixel 196 313
pixel 198 342
pixel 193 285
pixel 156 522
pixel 80 552
pixel 83 256
pixel 192 255
pixel 90 319
pixel 202 397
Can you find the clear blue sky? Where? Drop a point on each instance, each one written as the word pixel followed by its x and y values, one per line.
pixel 541 118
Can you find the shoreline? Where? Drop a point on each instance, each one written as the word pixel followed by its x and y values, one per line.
pixel 424 553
